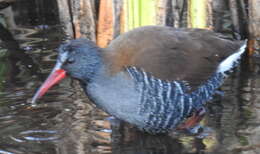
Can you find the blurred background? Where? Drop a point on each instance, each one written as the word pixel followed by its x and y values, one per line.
pixel 65 122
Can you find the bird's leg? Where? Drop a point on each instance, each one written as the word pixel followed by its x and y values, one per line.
pixel 191 124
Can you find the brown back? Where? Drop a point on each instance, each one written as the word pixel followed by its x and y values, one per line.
pixel 169 53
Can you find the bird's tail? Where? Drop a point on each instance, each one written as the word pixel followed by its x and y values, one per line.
pixel 232 60
pixel 205 92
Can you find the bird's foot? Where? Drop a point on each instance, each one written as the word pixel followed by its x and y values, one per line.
pixel 200 131
pixel 204 132
pixel 195 130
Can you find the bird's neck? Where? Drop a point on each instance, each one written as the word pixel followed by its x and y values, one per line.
pixel 99 71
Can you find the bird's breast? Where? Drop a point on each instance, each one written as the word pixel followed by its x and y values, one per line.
pixel 117 95
pixel 142 100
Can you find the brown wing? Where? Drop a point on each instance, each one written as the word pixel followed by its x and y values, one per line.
pixel 169 53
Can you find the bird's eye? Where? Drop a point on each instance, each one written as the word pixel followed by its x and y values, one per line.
pixel 70 60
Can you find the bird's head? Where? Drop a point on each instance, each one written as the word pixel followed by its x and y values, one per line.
pixel 78 58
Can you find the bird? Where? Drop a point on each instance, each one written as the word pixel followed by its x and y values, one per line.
pixel 156 78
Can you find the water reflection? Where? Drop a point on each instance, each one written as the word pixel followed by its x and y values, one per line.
pixel 65 121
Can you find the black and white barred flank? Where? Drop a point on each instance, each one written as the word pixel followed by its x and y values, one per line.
pixel 168 103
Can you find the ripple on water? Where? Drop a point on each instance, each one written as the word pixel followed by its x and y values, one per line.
pixel 36 135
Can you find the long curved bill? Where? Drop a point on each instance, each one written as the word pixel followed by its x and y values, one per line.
pixel 57 74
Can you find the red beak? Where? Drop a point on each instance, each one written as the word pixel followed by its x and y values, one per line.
pixel 56 75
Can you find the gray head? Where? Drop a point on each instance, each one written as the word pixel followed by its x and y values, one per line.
pixel 79 58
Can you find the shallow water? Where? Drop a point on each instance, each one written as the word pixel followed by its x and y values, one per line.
pixel 65 122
